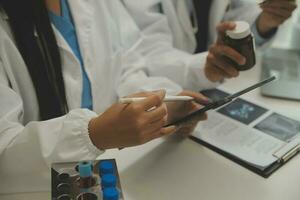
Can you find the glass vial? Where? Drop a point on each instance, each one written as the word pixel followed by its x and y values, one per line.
pixel 86 175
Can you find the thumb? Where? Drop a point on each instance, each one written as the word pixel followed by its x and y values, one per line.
pixel 160 93
pixel 222 28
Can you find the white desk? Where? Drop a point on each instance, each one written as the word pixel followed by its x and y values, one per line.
pixel 177 169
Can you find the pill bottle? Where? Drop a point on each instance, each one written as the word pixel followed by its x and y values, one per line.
pixel 241 39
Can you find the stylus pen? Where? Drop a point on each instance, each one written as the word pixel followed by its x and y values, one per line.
pixel 166 99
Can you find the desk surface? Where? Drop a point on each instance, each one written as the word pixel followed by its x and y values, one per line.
pixel 176 168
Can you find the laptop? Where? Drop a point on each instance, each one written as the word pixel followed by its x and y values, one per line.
pixel 285 65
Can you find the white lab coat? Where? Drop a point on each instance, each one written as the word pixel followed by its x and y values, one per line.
pixel 221 10
pixel 108 39
pixel 174 29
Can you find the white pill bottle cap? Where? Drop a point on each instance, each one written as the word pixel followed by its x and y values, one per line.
pixel 242 30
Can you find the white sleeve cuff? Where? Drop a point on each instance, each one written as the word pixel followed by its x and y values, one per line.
pixel 75 130
pixel 259 40
pixel 195 76
pixel 92 149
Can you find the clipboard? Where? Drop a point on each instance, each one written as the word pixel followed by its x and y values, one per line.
pixel 265 173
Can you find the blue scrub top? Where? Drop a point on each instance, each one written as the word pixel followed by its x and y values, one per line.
pixel 65 25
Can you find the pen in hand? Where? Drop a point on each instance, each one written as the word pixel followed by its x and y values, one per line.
pixel 166 99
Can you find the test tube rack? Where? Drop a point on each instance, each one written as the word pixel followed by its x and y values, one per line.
pixel 65 181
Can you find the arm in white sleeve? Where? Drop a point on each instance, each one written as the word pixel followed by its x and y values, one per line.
pixel 248 11
pixel 27 150
pixel 135 75
pixel 147 15
pixel 162 59
pixel 259 39
pixel 185 69
pixel 243 10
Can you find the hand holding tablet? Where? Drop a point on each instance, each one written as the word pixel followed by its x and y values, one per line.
pixel 222 102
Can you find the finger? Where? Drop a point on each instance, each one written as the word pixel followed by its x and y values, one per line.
pixel 282 5
pixel 168 130
pixel 161 132
pixel 156 114
pixel 196 106
pixel 222 50
pixel 280 13
pixel 198 97
pixel 213 73
pixel 222 28
pixel 280 8
pixel 160 93
pixel 187 130
pixel 278 20
pixel 152 101
pixel 194 122
pixel 141 94
pixel 201 117
pixel 188 127
pixel 231 71
pixel 192 107
pixel 196 119
pixel 156 126
pixel 219 61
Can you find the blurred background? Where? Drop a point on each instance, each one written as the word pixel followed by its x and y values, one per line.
pixel 289 34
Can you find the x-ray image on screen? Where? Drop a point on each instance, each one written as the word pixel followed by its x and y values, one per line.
pixel 280 127
pixel 243 111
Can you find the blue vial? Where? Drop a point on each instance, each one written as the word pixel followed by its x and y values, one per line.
pixel 111 194
pixel 86 175
pixel 108 180
pixel 106 167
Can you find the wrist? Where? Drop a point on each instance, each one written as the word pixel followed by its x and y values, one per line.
pixel 263 27
pixel 93 132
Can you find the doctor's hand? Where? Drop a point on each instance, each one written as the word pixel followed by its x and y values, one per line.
pixel 126 125
pixel 274 13
pixel 177 110
pixel 218 65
